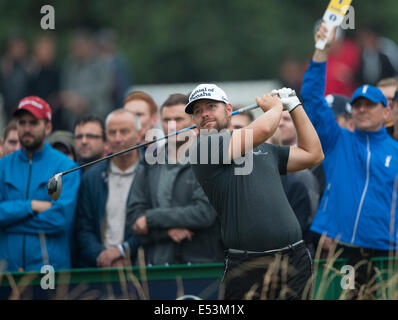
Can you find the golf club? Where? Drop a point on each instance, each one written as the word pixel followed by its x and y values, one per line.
pixel 54 185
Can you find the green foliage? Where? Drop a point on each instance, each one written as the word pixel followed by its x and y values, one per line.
pixel 195 40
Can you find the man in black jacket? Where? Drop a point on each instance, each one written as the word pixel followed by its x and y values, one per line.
pixel 169 211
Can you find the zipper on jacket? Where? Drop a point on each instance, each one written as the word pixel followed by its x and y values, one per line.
pixel 29 174
pixel 27 198
pixel 364 190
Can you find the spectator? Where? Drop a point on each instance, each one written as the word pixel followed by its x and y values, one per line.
pixel 390 49
pixel 241 120
pixel 169 210
pixel 10 141
pixel 356 208
pixel 388 86
pixel 341 108
pixel 145 108
pixel 14 70
pixel 375 64
pixel 121 79
pixel 35 231
pixel 291 73
pixel 3 116
pixel 63 141
pixel 275 138
pixel 90 138
pixel 394 129
pixel 44 78
pixel 301 187
pixel 85 81
pixel 104 238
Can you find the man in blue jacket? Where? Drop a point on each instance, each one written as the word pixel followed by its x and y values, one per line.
pixel 357 209
pixel 34 230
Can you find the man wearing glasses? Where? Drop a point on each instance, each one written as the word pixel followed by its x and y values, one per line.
pixel 90 142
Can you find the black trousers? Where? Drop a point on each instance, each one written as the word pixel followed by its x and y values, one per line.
pixel 284 276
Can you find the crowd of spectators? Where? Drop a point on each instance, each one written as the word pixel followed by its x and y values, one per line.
pixel 108 211
pixel 366 57
pixel 92 77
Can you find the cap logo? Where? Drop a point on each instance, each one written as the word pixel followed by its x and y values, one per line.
pixel 203 92
pixel 206 91
pixel 329 99
pixel 364 89
pixel 32 102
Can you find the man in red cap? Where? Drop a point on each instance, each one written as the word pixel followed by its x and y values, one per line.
pixel 33 116
pixel 34 230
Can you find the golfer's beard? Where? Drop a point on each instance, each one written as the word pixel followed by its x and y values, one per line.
pixel 221 124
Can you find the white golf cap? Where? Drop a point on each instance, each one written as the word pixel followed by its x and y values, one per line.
pixel 205 91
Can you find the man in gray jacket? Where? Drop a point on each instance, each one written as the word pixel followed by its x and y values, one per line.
pixel 170 212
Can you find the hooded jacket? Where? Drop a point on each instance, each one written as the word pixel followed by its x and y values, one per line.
pixel 361 170
pixel 29 240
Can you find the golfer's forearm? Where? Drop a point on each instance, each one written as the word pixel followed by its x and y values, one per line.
pixel 265 125
pixel 268 122
pixel 260 130
pixel 307 138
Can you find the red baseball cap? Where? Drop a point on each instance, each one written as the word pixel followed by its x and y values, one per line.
pixel 36 106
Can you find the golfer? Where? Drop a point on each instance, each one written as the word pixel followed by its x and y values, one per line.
pixel 266 256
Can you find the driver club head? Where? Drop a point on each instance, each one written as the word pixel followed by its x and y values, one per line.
pixel 54 186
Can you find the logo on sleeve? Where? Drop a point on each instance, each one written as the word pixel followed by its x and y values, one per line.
pixel 260 152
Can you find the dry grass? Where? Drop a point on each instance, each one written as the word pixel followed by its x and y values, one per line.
pixel 326 277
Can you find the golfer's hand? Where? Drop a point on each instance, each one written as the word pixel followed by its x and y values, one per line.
pixel 179 234
pixel 288 97
pixel 40 206
pixel 140 226
pixel 268 101
pixel 108 256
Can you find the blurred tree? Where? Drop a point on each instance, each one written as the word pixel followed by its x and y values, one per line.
pixel 196 40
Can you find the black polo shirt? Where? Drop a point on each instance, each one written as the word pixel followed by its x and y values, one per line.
pixel 253 209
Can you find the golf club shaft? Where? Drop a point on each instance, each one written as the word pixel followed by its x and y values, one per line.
pixel 248 108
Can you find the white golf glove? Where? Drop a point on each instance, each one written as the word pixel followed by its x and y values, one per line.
pixel 288 98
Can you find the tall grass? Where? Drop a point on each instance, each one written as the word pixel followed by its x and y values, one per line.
pixel 324 283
